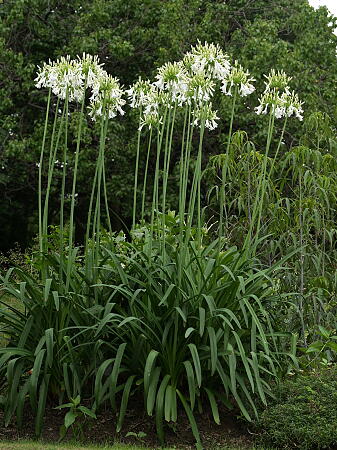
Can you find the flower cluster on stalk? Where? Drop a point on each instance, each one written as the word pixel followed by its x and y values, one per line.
pixel 108 99
pixel 191 82
pixel 70 78
pixel 64 77
pixel 278 99
pixel 240 79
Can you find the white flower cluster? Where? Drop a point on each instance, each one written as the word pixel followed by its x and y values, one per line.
pixel 64 77
pixel 191 81
pixel 278 98
pixel 210 60
pixel 70 79
pixel 107 99
pixel 206 114
pixel 173 78
pixel 239 78
pixel 139 92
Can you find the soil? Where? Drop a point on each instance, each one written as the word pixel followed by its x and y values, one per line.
pixel 230 433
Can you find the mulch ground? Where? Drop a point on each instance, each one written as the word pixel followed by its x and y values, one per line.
pixel 231 433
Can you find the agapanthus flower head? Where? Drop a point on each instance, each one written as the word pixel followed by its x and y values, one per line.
pixel 156 99
pixel 209 59
pixel 64 77
pixel 277 80
pixel 292 105
pixel 45 78
pixel 200 89
pixel 138 93
pixel 269 99
pixel 240 79
pixel 108 99
pixel 173 78
pixel 281 105
pixel 92 70
pixel 207 115
pixel 150 120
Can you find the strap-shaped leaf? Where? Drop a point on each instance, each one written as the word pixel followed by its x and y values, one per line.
pixel 196 362
pixel 124 402
pixel 149 365
pixel 214 406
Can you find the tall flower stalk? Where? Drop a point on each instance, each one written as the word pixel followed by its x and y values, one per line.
pixel 280 102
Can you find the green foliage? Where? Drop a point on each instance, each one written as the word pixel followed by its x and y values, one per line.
pixel 304 412
pixel 178 338
pixel 323 350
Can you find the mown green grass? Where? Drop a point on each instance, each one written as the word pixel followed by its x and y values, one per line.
pixel 33 445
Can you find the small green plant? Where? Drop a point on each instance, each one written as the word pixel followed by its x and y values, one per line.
pixel 323 350
pixel 74 417
pixel 139 436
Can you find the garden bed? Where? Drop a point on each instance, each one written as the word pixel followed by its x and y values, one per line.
pixel 231 432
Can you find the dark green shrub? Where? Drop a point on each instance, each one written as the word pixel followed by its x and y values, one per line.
pixel 304 413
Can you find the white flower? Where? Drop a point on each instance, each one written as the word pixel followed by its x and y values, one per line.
pixel 150 120
pixel 292 105
pixel 282 105
pixel 279 111
pixel 269 99
pixel 64 77
pixel 208 59
pixel 92 71
pixel 108 99
pixel 239 78
pixel 200 89
pixel 261 109
pixel 155 99
pixel 277 80
pixel 138 93
pixel 246 89
pixel 173 78
pixel 207 115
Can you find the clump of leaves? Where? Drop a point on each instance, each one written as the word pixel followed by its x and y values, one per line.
pixel 304 413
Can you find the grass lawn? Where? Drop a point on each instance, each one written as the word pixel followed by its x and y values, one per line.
pixel 31 445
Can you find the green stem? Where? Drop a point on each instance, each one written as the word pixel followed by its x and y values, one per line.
pixel 194 190
pixel 40 173
pixel 104 125
pixel 224 173
pixel 77 152
pixel 64 171
pixel 250 244
pixel 87 234
pixel 136 175
pixel 145 174
pixel 181 173
pixel 105 189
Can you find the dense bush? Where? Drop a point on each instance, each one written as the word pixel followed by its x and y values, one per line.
pixel 304 412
